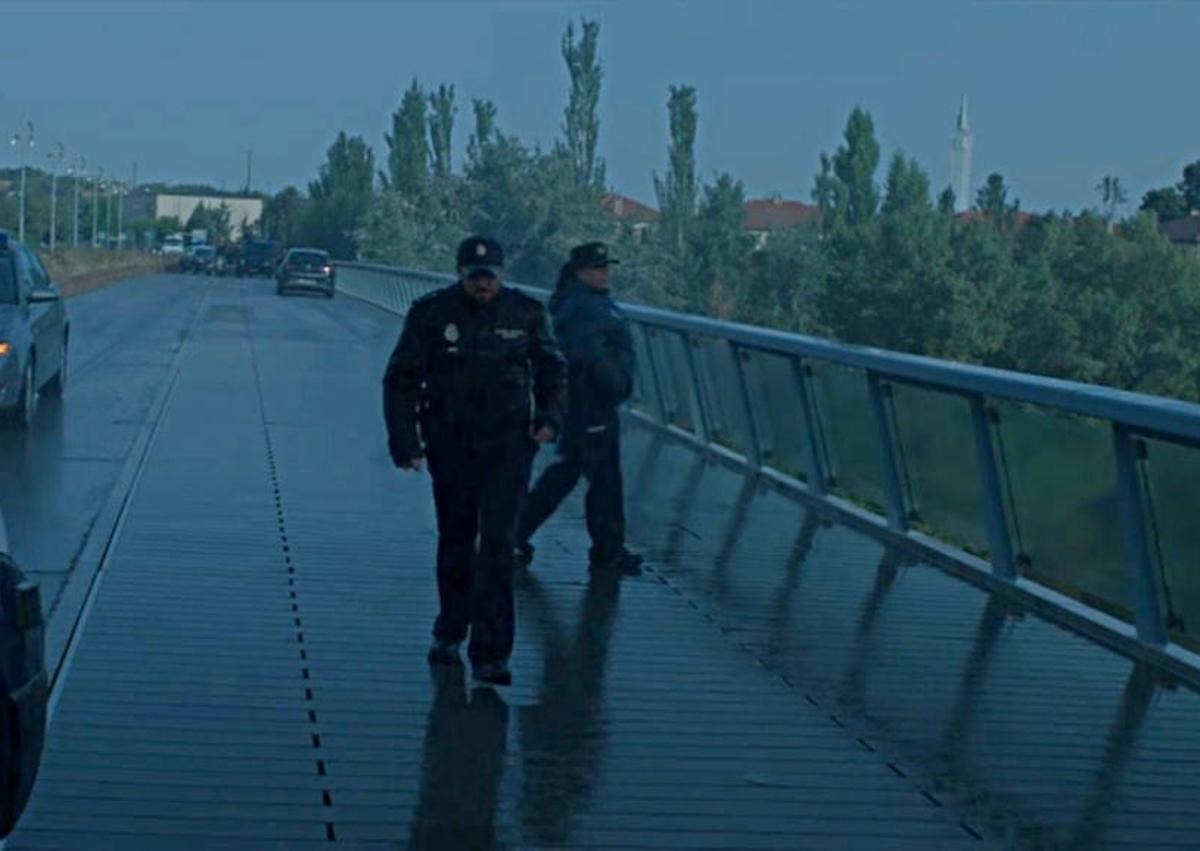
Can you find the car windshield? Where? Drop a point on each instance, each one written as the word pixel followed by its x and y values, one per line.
pixel 8 283
pixel 309 258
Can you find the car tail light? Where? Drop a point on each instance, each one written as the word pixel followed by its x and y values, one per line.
pixel 5 349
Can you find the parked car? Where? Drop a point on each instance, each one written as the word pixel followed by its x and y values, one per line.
pixel 24 686
pixel 187 258
pixel 308 269
pixel 258 258
pixel 172 246
pixel 203 257
pixel 34 332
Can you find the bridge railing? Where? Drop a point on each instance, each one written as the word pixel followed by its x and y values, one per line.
pixel 1079 498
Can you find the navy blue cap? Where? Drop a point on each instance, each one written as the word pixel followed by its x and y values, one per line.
pixel 591 254
pixel 480 254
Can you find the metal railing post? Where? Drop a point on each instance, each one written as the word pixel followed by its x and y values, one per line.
pixel 655 378
pixel 999 542
pixel 896 510
pixel 818 476
pixel 703 429
pixel 753 447
pixel 1143 579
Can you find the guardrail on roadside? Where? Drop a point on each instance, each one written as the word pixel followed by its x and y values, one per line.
pixel 1076 497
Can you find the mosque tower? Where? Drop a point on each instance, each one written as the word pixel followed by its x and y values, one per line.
pixel 960 160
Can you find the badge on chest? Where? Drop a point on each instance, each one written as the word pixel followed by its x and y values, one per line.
pixel 510 333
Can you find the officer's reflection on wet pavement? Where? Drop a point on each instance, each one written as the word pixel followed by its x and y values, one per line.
pixel 463 764
pixel 561 736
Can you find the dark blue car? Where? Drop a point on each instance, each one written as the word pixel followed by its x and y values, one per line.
pixel 33 334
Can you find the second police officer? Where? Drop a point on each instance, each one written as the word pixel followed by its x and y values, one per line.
pixel 474 384
pixel 595 338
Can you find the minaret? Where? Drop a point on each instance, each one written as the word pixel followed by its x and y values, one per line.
pixel 960 160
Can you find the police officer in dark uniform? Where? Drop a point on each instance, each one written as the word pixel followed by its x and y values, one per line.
pixel 600 368
pixel 474 385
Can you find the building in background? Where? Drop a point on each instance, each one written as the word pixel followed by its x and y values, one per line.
pixel 626 211
pixel 245 213
pixel 960 160
pixel 774 214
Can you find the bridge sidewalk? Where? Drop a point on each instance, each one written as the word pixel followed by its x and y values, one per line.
pixel 252 674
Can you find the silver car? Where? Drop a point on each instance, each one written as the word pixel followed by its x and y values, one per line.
pixel 34 332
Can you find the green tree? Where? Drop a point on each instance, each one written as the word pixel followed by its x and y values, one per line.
pixel 720 247
pixel 283 213
pixel 484 136
pixel 677 191
pixel 946 202
pixel 992 201
pixel 340 197
pixel 1189 187
pixel 1166 204
pixel 441 128
pixel 215 219
pixel 408 145
pixel 581 122
pixel 1112 196
pixel 854 164
pixel 907 187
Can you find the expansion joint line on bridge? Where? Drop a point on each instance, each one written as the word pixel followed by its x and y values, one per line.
pixel 766 663
pixel 293 598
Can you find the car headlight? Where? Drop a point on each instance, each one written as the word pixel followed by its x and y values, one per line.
pixel 5 349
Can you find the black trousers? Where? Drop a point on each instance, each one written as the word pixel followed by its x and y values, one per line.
pixel 478 495
pixel 597 457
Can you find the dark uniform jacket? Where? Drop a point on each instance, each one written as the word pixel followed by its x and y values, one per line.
pixel 595 338
pixel 472 376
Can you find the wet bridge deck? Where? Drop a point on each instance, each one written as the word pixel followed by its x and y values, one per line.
pixel 249 667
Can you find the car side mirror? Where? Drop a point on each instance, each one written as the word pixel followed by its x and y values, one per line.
pixel 44 295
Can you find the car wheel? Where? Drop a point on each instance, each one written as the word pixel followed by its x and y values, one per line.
pixel 20 416
pixel 58 384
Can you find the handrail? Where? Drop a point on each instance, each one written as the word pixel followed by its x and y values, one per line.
pixel 1130 416
pixel 1155 416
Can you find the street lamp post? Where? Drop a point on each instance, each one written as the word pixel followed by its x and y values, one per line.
pixel 22 141
pixel 56 157
pixel 108 215
pixel 96 207
pixel 79 168
pixel 120 216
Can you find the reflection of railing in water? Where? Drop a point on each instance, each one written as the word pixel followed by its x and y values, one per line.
pixel 1056 482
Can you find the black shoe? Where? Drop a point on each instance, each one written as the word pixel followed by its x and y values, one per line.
pixel 444 653
pixel 622 563
pixel 523 554
pixel 496 673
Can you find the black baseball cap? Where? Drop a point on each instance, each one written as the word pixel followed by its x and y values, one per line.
pixel 480 254
pixel 591 254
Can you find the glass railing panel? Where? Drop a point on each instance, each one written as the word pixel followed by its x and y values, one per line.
pixel 850 433
pixel 1062 478
pixel 938 468
pixel 1172 476
pixel 776 394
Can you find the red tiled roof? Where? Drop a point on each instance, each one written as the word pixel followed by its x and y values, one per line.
pixel 623 209
pixel 777 214
pixel 1185 230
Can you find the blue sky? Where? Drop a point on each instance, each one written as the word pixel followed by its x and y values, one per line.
pixel 1061 93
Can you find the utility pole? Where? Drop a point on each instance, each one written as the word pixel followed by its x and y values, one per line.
pixel 22 141
pixel 56 157
pixel 108 222
pixel 249 163
pixel 120 216
pixel 79 167
pixel 96 207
